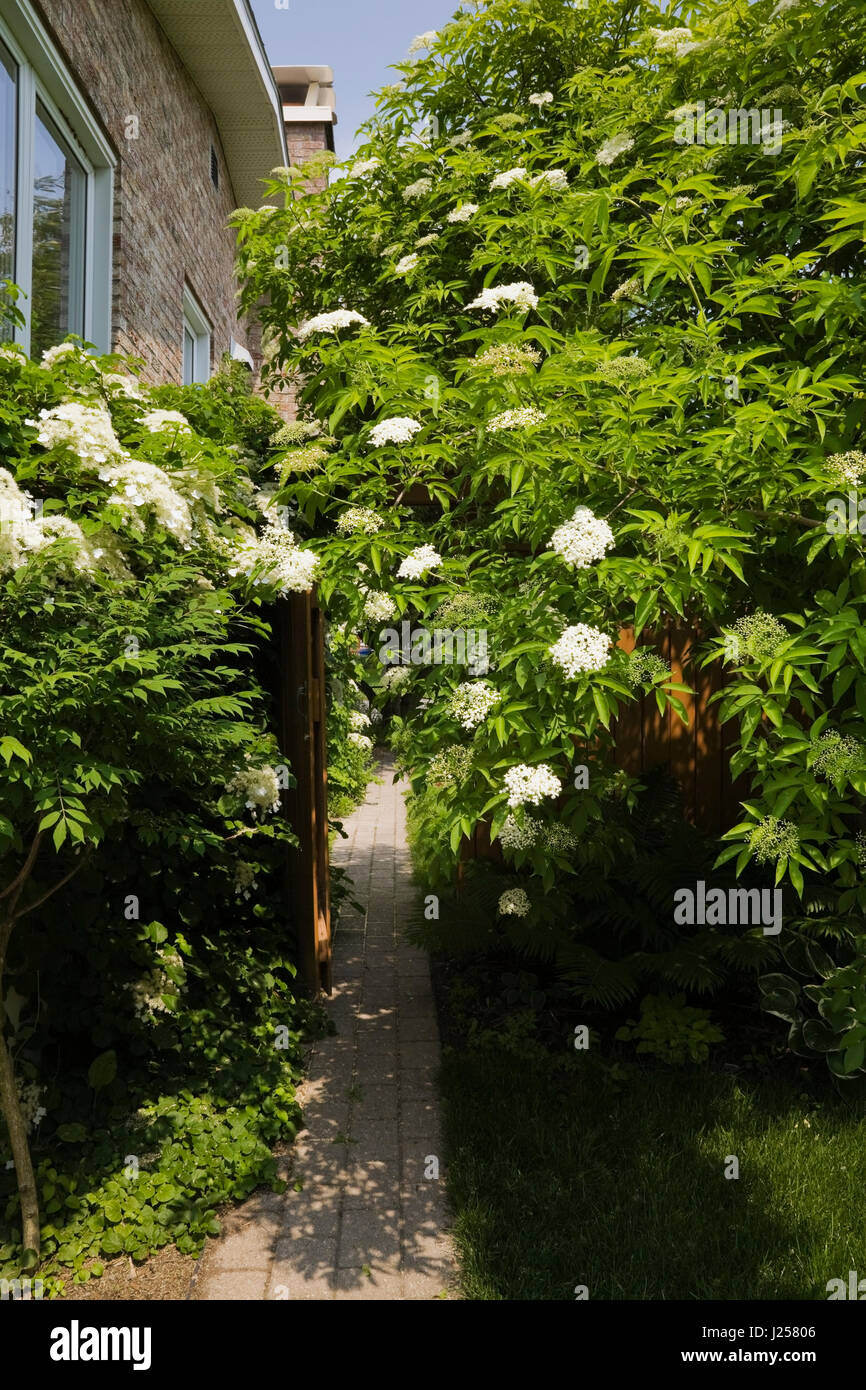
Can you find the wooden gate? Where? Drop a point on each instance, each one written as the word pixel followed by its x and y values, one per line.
pixel 303 738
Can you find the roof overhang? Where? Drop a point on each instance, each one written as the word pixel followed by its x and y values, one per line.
pixel 220 46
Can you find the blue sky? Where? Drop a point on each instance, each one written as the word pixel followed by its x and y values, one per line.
pixel 357 38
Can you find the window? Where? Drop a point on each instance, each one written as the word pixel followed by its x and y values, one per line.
pixel 196 341
pixel 56 192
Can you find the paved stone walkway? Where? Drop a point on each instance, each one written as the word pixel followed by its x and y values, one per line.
pixel 370 1221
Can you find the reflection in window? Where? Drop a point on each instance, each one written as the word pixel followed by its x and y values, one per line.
pixel 59 195
pixel 8 170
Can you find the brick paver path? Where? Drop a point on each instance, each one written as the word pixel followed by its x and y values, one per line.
pixel 370 1219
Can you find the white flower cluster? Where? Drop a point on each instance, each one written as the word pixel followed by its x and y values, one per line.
pixel 582 540
pixel 514 903
pixel 472 701
pixel 507 177
pixel 450 766
pixel 30 1095
pixel 407 264
pixel 528 785
pixel 329 323
pixel 519 419
pixel 427 240
pixel 398 430
pixel 849 467
pixel 629 289
pixel 508 359
pixel 417 189
pixel 520 294
pixel 359 519
pixel 540 99
pixel 359 720
pixel 277 561
pixel 418 562
pixel 166 422
pixel 581 649
pixel 359 740
pixel 260 788
pixel 463 213
pixel 245 880
pixel 117 382
pixel 379 607
pixel 554 179
pixel 362 167
pixel 138 484
pixel 517 836
pixel 422 41
pixel 53 355
pixel 85 429
pixel 613 148
pixel 24 539
pixel 396 677
pixel 671 40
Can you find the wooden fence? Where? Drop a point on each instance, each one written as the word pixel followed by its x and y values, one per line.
pixel 694 753
pixel 303 740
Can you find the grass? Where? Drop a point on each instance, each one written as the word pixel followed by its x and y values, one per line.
pixel 613 1177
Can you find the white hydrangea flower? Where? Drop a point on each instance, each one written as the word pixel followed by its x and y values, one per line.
pixel 554 179
pixel 137 484
pixel 360 519
pixel 276 560
pixel 329 323
pixel 520 294
pixel 514 836
pixel 379 607
pixel 529 785
pixel 165 421
pixel 22 539
pixel 472 701
pixel 260 788
pixel 418 562
pixel 13 350
pixel 407 264
pixel 85 429
pixel 359 720
pixel 396 677
pixel 118 381
pixel 399 429
pixel 507 177
pixel 522 418
pixel 582 540
pixel 362 167
pixel 514 903
pixel 540 99
pixel 422 41
pixel 581 649
pixel 613 148
pixel 417 189
pixel 463 213
pixel 51 356
pixel 360 740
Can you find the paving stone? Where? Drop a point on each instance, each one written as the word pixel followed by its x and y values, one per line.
pixel 366 1224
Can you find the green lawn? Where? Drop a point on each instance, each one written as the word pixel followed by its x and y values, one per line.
pixel 559 1179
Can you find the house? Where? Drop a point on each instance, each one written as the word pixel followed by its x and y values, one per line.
pixel 129 132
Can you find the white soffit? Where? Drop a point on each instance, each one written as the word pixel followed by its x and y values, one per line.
pixel 220 47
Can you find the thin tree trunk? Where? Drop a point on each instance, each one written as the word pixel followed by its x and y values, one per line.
pixel 10 1104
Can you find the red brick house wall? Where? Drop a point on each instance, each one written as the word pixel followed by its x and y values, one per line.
pixel 170 222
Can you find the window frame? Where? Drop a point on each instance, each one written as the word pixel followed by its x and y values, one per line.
pixel 42 76
pixel 197 324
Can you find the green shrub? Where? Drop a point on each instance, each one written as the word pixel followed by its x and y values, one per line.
pixel 671 1030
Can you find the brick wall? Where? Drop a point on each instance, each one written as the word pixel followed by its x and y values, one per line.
pixel 169 220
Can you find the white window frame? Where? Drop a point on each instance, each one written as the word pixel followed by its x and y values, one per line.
pixel 195 323
pixel 42 74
